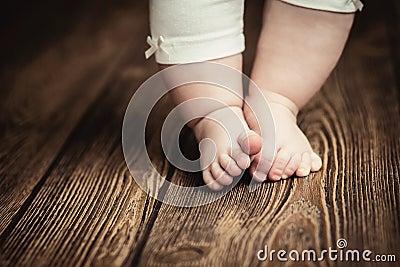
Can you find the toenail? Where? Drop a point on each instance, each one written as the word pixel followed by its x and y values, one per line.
pixel 276 177
pixel 260 175
pixel 252 133
pixel 303 172
pixel 284 176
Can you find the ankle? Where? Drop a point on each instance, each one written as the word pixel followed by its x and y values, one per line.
pixel 278 99
pixel 217 115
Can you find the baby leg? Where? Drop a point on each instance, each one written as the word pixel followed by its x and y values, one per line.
pixel 207 30
pixel 298 48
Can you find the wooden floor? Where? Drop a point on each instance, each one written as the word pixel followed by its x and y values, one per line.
pixel 67 198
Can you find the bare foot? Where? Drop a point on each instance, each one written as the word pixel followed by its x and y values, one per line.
pixel 225 140
pixel 232 145
pixel 294 57
pixel 294 154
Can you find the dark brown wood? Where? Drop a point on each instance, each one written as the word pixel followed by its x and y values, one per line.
pixel 43 100
pixel 89 209
pixel 67 197
pixel 353 123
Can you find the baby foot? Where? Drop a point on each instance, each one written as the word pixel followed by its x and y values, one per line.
pixel 232 145
pixel 294 154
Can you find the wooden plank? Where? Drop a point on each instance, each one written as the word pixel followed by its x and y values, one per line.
pixel 43 99
pixel 393 23
pixel 90 210
pixel 353 124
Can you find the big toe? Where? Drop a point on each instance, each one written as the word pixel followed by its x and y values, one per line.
pixel 260 167
pixel 250 142
pixel 281 160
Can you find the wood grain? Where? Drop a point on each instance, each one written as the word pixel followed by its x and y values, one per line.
pixel 77 204
pixel 43 100
pixel 352 122
pixel 89 197
pixel 89 209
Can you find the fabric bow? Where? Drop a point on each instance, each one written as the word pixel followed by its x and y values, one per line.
pixel 154 46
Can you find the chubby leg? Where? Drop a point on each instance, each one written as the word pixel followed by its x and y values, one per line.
pixel 186 31
pixel 234 141
pixel 297 50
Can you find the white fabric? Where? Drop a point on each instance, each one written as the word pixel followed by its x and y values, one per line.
pixel 187 31
pixel 344 6
pixel 196 30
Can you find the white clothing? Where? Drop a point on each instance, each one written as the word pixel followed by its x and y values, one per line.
pixel 187 31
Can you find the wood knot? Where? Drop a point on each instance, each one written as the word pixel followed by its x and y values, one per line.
pixel 181 254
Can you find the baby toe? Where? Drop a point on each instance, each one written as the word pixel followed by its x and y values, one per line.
pixel 261 166
pixel 281 160
pixel 250 142
pixel 257 175
pixel 241 159
pixel 305 165
pixel 229 165
pixel 210 182
pixel 316 162
pixel 292 166
pixel 220 175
